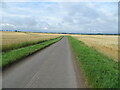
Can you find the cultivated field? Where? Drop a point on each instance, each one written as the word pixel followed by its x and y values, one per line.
pixel 107 44
pixel 12 40
pixel 7 57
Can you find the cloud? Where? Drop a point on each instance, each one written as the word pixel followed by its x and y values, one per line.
pixel 60 0
pixel 61 16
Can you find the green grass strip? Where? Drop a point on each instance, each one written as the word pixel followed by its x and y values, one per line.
pixel 7 48
pixel 99 70
pixel 14 55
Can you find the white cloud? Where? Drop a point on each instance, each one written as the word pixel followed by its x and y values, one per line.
pixel 61 16
pixel 60 0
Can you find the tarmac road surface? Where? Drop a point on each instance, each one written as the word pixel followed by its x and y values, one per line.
pixel 51 67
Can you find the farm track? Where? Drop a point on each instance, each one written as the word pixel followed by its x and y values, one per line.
pixel 53 67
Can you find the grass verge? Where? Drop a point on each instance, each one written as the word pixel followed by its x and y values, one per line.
pixel 6 48
pixel 14 55
pixel 99 70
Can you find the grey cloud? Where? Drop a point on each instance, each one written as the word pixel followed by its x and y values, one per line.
pixel 63 17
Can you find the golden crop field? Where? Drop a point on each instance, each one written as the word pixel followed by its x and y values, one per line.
pixel 107 44
pixel 12 39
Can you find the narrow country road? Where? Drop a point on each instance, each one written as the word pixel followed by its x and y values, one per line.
pixel 49 68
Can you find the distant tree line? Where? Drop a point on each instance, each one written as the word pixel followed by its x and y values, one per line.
pixel 67 33
pixel 92 33
pixel 11 30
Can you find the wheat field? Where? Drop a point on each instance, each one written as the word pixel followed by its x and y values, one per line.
pixel 11 40
pixel 107 44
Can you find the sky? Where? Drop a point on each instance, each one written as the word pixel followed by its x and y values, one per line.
pixel 69 17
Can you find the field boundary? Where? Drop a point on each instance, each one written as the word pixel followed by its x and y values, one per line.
pixel 79 73
pixel 99 70
pixel 34 52
pixel 25 44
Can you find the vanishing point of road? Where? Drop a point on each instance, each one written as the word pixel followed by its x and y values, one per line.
pixel 52 67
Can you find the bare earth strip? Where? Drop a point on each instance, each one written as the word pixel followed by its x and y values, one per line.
pixel 50 68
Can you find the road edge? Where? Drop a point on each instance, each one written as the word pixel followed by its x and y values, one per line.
pixel 81 82
pixel 22 58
